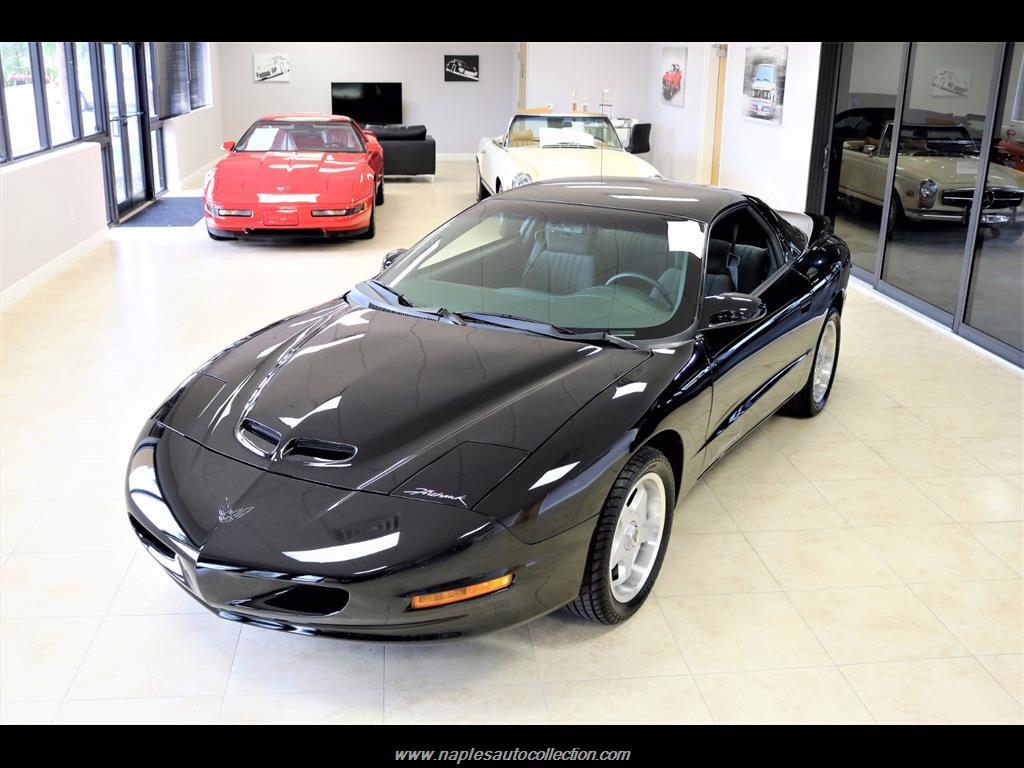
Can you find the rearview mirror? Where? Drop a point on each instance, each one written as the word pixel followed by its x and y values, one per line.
pixel 390 258
pixel 728 309
pixel 228 145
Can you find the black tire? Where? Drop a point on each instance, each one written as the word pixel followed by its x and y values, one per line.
pixel 897 219
pixel 803 404
pixel 217 237
pixel 369 233
pixel 379 199
pixel 596 602
pixel 481 190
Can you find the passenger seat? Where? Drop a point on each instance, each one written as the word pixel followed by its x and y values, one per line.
pixel 561 262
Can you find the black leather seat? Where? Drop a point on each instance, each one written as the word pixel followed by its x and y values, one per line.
pixel 753 267
pixel 749 266
pixel 562 262
pixel 717 278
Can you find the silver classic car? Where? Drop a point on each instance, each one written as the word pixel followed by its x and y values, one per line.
pixel 935 175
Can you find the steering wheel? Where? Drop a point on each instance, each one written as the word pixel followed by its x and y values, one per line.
pixel 663 294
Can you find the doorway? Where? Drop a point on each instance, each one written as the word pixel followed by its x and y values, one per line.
pixel 130 180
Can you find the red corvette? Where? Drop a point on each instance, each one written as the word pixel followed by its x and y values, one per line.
pixel 306 174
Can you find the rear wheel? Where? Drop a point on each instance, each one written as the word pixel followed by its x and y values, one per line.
pixel 629 540
pixel 379 199
pixel 810 401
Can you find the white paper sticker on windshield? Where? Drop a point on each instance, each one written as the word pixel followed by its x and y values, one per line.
pixel 261 139
pixel 685 236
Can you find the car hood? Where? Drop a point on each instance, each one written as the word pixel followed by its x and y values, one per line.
pixel 290 177
pixel 953 171
pixel 400 391
pixel 555 163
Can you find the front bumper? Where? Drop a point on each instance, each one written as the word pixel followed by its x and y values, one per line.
pixel 246 569
pixel 292 220
pixel 1008 216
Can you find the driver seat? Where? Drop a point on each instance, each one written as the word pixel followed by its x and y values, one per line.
pixel 561 262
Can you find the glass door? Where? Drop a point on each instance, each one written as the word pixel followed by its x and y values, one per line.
pixel 125 114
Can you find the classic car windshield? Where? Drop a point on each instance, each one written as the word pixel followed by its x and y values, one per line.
pixel 588 131
pixel 932 140
pixel 301 136
pixel 587 269
pixel 765 72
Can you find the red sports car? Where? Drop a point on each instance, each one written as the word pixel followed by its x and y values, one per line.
pixel 307 174
pixel 671 82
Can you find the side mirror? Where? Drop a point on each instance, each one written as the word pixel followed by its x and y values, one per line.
pixel 869 149
pixel 370 134
pixel 729 309
pixel 390 257
pixel 228 145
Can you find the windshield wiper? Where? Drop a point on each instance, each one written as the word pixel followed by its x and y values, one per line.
pixel 546 329
pixel 402 301
pixel 398 297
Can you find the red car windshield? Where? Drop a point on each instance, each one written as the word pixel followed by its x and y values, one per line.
pixel 301 136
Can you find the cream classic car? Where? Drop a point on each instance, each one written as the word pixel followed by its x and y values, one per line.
pixel 549 145
pixel 936 170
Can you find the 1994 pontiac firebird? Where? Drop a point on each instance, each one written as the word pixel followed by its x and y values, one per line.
pixel 497 425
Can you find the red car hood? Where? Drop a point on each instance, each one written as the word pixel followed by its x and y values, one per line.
pixel 291 177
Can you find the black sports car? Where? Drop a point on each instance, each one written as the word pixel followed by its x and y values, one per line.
pixel 498 424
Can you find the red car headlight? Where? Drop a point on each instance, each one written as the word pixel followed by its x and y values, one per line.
pixel 340 211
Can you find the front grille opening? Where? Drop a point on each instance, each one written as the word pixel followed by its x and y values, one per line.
pixel 309 599
pixel 148 538
pixel 261 435
pixel 324 450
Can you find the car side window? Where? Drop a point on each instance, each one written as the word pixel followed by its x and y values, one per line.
pixel 742 254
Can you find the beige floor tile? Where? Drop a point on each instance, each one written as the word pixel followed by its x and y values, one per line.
pixel 778 506
pixel 986 616
pixel 969 499
pixel 147 589
pixel 28 712
pixel 69 584
pixel 883 424
pixel 501 658
pixel 1008 670
pixel 1004 455
pixel 627 701
pixel 837 461
pixel 567 648
pixel 700 511
pixel 935 692
pixel 141 656
pixel 188 710
pixel 17 518
pixel 1004 540
pixel 336 707
pixel 850 394
pixel 486 705
pixel 884 501
pixel 39 657
pixel 875 624
pixel 928 458
pixel 824 428
pixel 783 696
pixel 727 633
pixel 87 526
pixel 954 420
pixel 279 662
pixel 820 559
pixel 712 564
pixel 755 459
pixel 1017 481
pixel 923 553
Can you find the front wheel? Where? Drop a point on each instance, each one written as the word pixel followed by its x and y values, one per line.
pixel 629 540
pixel 379 199
pixel 372 230
pixel 811 399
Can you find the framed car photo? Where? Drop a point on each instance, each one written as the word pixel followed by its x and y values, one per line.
pixel 461 69
pixel 271 68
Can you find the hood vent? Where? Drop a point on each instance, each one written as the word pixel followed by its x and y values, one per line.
pixel 259 436
pixel 319 453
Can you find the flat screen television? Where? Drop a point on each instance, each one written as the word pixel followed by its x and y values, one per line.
pixel 377 103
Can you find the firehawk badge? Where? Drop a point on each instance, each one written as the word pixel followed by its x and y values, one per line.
pixel 227 515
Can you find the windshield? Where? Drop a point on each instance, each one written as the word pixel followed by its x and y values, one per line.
pixel 932 140
pixel 586 131
pixel 765 72
pixel 581 268
pixel 302 136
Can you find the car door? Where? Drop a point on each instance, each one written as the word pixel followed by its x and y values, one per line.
pixel 757 366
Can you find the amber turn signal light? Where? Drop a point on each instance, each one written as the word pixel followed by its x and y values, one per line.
pixel 435 599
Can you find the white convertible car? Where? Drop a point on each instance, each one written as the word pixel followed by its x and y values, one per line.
pixel 550 145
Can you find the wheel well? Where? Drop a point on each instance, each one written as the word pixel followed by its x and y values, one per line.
pixel 669 443
pixel 837 302
pixel 497 186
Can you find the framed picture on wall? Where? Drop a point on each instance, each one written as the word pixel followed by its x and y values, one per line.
pixel 461 69
pixel 764 82
pixel 951 82
pixel 673 76
pixel 271 68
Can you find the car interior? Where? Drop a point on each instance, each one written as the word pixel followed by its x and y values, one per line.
pixel 742 254
pixel 338 137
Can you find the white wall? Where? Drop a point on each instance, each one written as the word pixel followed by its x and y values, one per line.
pixel 677 133
pixel 456 114
pixel 49 206
pixel 192 141
pixel 554 70
pixel 764 159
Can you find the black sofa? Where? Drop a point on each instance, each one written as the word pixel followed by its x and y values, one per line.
pixel 408 150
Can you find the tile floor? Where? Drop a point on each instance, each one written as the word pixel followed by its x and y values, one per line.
pixel 864 566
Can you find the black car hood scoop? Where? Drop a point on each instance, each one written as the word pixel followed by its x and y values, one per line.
pixel 362 399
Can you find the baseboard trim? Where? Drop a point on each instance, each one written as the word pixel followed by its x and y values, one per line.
pixel 456 155
pixel 195 179
pixel 31 281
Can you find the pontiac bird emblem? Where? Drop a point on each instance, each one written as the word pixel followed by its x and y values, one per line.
pixel 226 514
